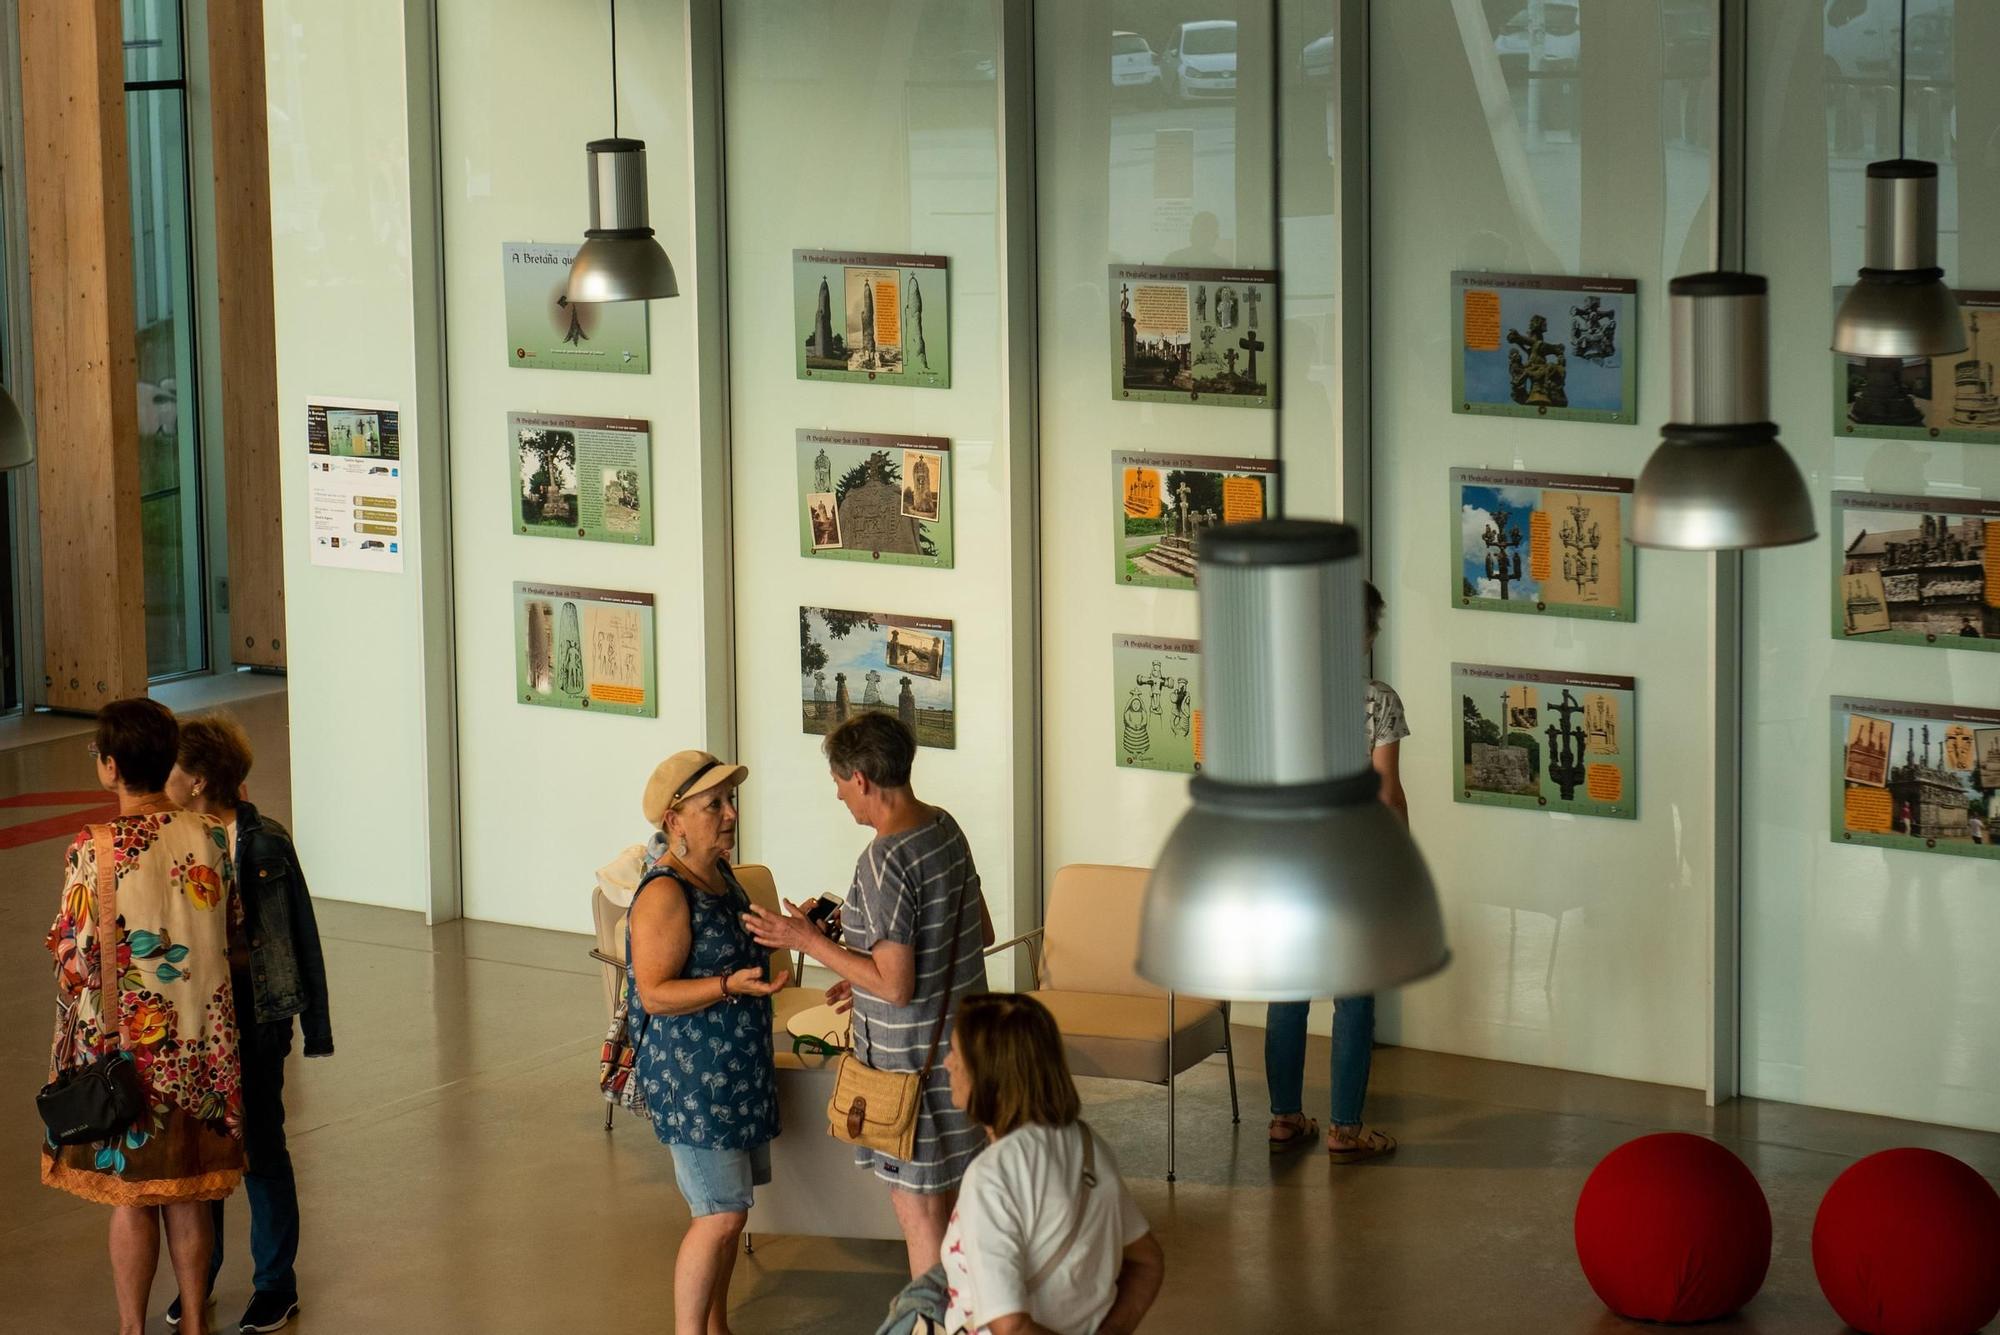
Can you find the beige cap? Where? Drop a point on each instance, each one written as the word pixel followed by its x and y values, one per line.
pixel 682 775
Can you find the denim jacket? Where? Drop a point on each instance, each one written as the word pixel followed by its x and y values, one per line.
pixel 287 973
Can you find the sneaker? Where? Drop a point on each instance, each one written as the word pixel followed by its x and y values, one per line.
pixel 174 1310
pixel 269 1311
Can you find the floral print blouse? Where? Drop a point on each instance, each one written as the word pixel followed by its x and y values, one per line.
pixel 178 913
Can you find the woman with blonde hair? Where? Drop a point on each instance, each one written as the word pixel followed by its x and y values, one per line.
pixel 1045 1239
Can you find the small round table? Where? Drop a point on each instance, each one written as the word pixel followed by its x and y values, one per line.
pixel 823 1023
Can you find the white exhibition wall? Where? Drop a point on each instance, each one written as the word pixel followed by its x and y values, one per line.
pixel 1580 943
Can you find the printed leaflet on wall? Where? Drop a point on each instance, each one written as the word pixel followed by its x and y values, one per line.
pixel 354 490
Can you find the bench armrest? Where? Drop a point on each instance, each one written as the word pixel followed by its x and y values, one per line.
pixel 1032 940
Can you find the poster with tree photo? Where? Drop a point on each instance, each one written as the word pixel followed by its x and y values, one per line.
pixel 853 662
pixel 586 478
pixel 1162 502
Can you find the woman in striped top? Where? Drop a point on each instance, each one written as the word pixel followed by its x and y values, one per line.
pixel 914 929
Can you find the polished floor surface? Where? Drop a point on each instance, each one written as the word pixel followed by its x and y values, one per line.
pixel 456 1175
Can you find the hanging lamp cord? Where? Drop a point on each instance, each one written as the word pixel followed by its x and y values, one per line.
pixel 1902 74
pixel 614 69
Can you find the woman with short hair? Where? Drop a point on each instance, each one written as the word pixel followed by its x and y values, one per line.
pixel 704 1044
pixel 173 917
pixel 286 980
pixel 1045 1238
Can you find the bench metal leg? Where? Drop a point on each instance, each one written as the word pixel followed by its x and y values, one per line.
pixel 1171 1137
pixel 609 1108
pixel 748 1246
pixel 1229 1054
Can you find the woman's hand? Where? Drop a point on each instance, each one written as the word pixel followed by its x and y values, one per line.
pixel 790 930
pixel 841 997
pixel 750 983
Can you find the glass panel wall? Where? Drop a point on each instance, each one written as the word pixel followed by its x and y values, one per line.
pixel 169 404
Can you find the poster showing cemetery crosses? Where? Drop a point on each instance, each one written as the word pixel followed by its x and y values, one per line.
pixel 867 497
pixel 1530 345
pixel 1156 699
pixel 582 477
pixel 1548 543
pixel 1953 397
pixel 871 318
pixel 851 662
pixel 1194 335
pixel 584 649
pixel 1550 741
pixel 1925 778
pixel 546 331
pixel 1921 570
pixel 1162 502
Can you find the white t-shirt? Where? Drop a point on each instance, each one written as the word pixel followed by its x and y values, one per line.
pixel 1014 1209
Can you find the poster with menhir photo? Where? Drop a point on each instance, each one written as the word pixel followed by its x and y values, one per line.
pixel 1553 544
pixel 1952 397
pixel 584 649
pixel 1917 777
pixel 1917 570
pixel 856 662
pixel 866 317
pixel 1202 336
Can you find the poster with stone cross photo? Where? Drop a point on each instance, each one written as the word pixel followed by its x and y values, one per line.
pixel 1207 336
pixel 1162 502
pixel 1917 570
pixel 1548 544
pixel 865 496
pixel 586 478
pixel 856 662
pixel 1955 396
pixel 871 318
pixel 1917 777
pixel 1545 345
pixel 1156 703
pixel 1546 741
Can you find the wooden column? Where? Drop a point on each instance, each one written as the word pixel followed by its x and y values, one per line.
pixel 86 350
pixel 248 350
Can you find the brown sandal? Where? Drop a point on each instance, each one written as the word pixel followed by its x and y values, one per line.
pixel 1299 1130
pixel 1365 1143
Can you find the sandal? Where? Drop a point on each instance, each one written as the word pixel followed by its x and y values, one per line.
pixel 1365 1143
pixel 1298 1130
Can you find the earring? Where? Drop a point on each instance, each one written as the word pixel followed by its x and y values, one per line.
pixel 681 848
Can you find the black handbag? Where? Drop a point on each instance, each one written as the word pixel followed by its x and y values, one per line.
pixel 101 1099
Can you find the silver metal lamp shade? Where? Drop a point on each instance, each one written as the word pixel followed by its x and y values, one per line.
pixel 1288 879
pixel 17 448
pixel 1900 306
pixel 620 260
pixel 1720 481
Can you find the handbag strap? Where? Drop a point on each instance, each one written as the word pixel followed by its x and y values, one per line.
pixel 1085 1185
pixel 950 986
pixel 110 978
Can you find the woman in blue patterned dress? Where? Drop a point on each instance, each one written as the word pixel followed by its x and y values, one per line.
pixel 704 1052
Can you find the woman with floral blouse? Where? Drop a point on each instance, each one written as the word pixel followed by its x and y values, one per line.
pixel 175 919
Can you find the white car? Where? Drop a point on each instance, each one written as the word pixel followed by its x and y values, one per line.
pixel 1202 61
pixel 1133 64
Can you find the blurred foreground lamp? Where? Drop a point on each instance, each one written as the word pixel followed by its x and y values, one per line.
pixel 1720 481
pixel 621 259
pixel 17 450
pixel 1900 306
pixel 1288 878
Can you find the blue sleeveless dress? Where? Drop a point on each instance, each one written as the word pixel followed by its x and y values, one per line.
pixel 707 1077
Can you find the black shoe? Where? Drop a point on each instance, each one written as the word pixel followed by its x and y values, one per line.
pixel 174 1310
pixel 269 1311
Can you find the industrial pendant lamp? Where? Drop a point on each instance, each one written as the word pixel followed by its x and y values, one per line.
pixel 621 260
pixel 1288 878
pixel 17 448
pixel 1899 306
pixel 1719 481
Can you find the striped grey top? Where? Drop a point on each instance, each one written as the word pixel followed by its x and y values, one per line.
pixel 906 889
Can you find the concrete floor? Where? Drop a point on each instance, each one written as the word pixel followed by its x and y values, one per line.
pixel 456 1175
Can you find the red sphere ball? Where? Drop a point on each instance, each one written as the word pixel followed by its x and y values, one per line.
pixel 1907 1242
pixel 1673 1227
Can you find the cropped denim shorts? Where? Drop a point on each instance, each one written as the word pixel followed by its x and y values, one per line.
pixel 720 1181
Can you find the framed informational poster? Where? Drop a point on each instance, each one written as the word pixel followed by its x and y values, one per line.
pixel 867 497
pixel 872 318
pixel 1953 397
pixel 354 484
pixel 850 662
pixel 1548 543
pixel 1532 345
pixel 584 649
pixel 582 477
pixel 1925 778
pixel 1919 570
pixel 544 330
pixel 1162 502
pixel 1194 335
pixel 1156 703
pixel 1550 741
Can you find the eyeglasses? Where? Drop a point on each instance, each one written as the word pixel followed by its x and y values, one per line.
pixel 92 748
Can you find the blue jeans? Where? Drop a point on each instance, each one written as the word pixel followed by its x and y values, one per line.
pixel 268 1182
pixel 1285 1056
pixel 720 1181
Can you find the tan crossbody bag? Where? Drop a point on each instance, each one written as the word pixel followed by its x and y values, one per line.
pixel 877 1110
